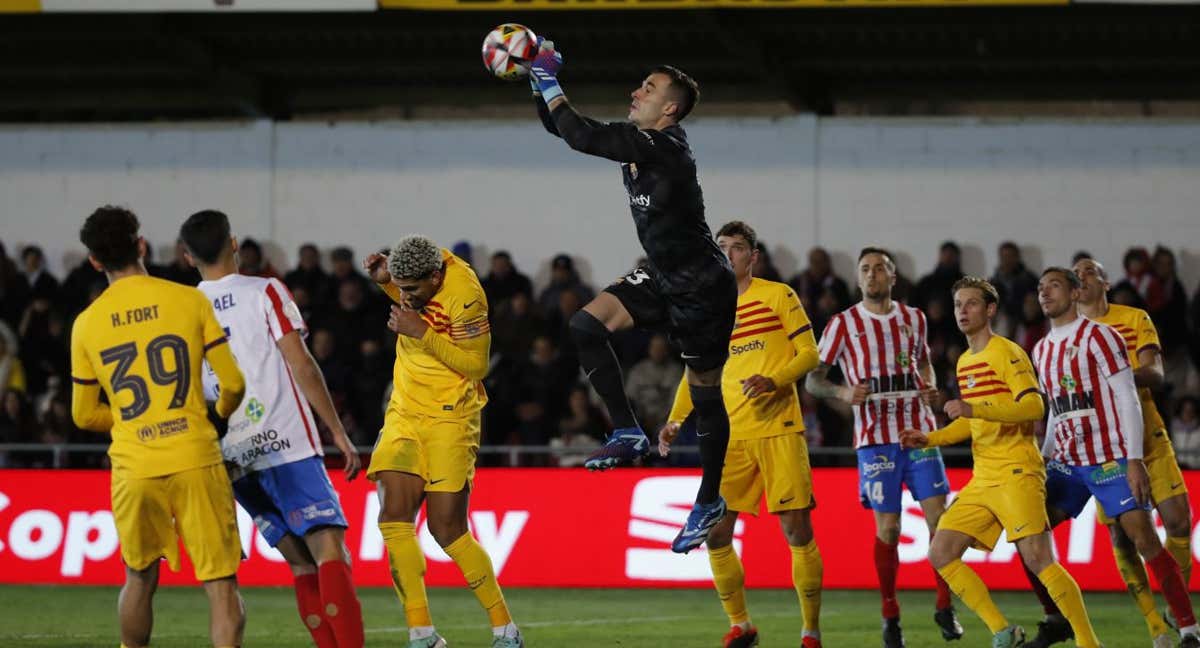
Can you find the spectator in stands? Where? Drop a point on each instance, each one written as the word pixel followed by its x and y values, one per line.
pixel 581 429
pixel 938 283
pixel 36 343
pixel 367 385
pixel 462 250
pixel 179 270
pixel 651 383
pixel 1170 318
pixel 351 320
pixel 541 381
pixel 14 295
pixel 817 282
pixel 12 371
pixel 39 283
pixel 1140 278
pixel 1013 280
pixel 73 295
pixel 337 371
pixel 563 278
pixel 1032 326
pixel 308 273
pixel 515 325
pixel 252 262
pixel 504 281
pixel 1185 432
pixel 764 267
pixel 342 269
pixel 17 421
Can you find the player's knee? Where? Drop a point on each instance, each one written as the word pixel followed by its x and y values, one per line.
pixel 797 528
pixel 1179 526
pixel 587 331
pixel 445 532
pixel 888 533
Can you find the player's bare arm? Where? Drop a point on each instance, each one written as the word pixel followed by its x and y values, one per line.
pixel 312 383
pixel 818 384
pixel 1149 373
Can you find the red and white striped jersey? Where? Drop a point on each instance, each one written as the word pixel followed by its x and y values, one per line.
pixel 883 351
pixel 274 424
pixel 1073 363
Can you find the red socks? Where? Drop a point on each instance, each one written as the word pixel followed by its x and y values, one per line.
pixel 340 604
pixel 1170 579
pixel 887 563
pixel 943 591
pixel 308 601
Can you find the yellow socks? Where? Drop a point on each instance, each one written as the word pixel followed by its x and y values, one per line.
pixel 1133 572
pixel 807 570
pixel 1065 592
pixel 730 578
pixel 408 571
pixel 967 585
pixel 476 567
pixel 1181 551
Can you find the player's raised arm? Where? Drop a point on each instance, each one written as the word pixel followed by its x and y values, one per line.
pixel 86 409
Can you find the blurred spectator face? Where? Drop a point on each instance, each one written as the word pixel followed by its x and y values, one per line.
pixel 562 270
pixel 55 326
pixel 1187 410
pixel 948 257
pixel 310 258
pixel 33 259
pixel 1030 309
pixel 342 262
pixel 578 401
pixel 1164 263
pixel 369 348
pixel 250 258
pixel 1125 297
pixel 322 344
pixel 1091 275
pixel 659 350
pixel 568 303
pixel 502 266
pixel 1010 258
pixel 301 297
pixel 818 262
pixel 12 405
pixel 1137 261
pixel 542 351
pixel 519 303
pixel 350 295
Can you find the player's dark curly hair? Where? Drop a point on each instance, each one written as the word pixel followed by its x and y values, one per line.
pixel 206 235
pixel 111 237
pixel 739 228
pixel 684 88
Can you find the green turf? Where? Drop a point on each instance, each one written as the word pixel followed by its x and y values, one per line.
pixel 85 616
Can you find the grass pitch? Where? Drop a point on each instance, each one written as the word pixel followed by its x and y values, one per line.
pixel 82 617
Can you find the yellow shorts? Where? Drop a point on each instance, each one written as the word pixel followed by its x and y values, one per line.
pixel 151 515
pixel 776 464
pixel 1166 480
pixel 982 509
pixel 441 451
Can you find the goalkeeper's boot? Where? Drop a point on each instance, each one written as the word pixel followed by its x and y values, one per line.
pixel 432 641
pixel 504 641
pixel 1053 629
pixel 699 522
pixel 739 637
pixel 947 621
pixel 1010 637
pixel 624 446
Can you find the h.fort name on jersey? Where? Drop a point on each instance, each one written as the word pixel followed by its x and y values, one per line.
pixel 135 315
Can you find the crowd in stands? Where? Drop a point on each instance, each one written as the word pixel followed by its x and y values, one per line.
pixel 538 395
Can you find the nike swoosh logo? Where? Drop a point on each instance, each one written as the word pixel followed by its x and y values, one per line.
pixel 472 303
pixel 1013 361
pixel 1018 529
pixel 785 501
pixel 436 481
pixel 1174 486
pixel 688 357
pixel 1126 501
pixel 939 484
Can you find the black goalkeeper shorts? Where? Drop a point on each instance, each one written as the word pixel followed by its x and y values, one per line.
pixel 698 322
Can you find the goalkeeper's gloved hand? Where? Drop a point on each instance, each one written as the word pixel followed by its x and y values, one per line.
pixel 543 74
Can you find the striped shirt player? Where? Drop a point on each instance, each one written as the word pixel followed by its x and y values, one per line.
pixel 272 449
pixel 1095 417
pixel 885 352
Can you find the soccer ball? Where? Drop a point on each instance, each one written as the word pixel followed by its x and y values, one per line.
pixel 508 50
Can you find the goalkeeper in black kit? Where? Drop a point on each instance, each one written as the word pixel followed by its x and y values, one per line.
pixel 687 287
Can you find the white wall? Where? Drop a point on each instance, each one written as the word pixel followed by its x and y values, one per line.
pixel 1052 186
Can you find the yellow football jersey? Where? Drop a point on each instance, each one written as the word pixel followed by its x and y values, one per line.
pixel 1135 326
pixel 442 373
pixel 143 341
pixel 771 337
pixel 994 379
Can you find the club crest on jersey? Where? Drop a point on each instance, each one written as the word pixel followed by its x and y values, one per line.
pixel 902 358
pixel 1067 381
pixel 1071 353
pixel 255 410
pixel 906 330
pixel 971 382
pixel 633 170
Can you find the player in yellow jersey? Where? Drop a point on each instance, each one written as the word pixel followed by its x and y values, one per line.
pixel 998 406
pixel 430 437
pixel 143 342
pixel 1167 489
pixel 771 348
